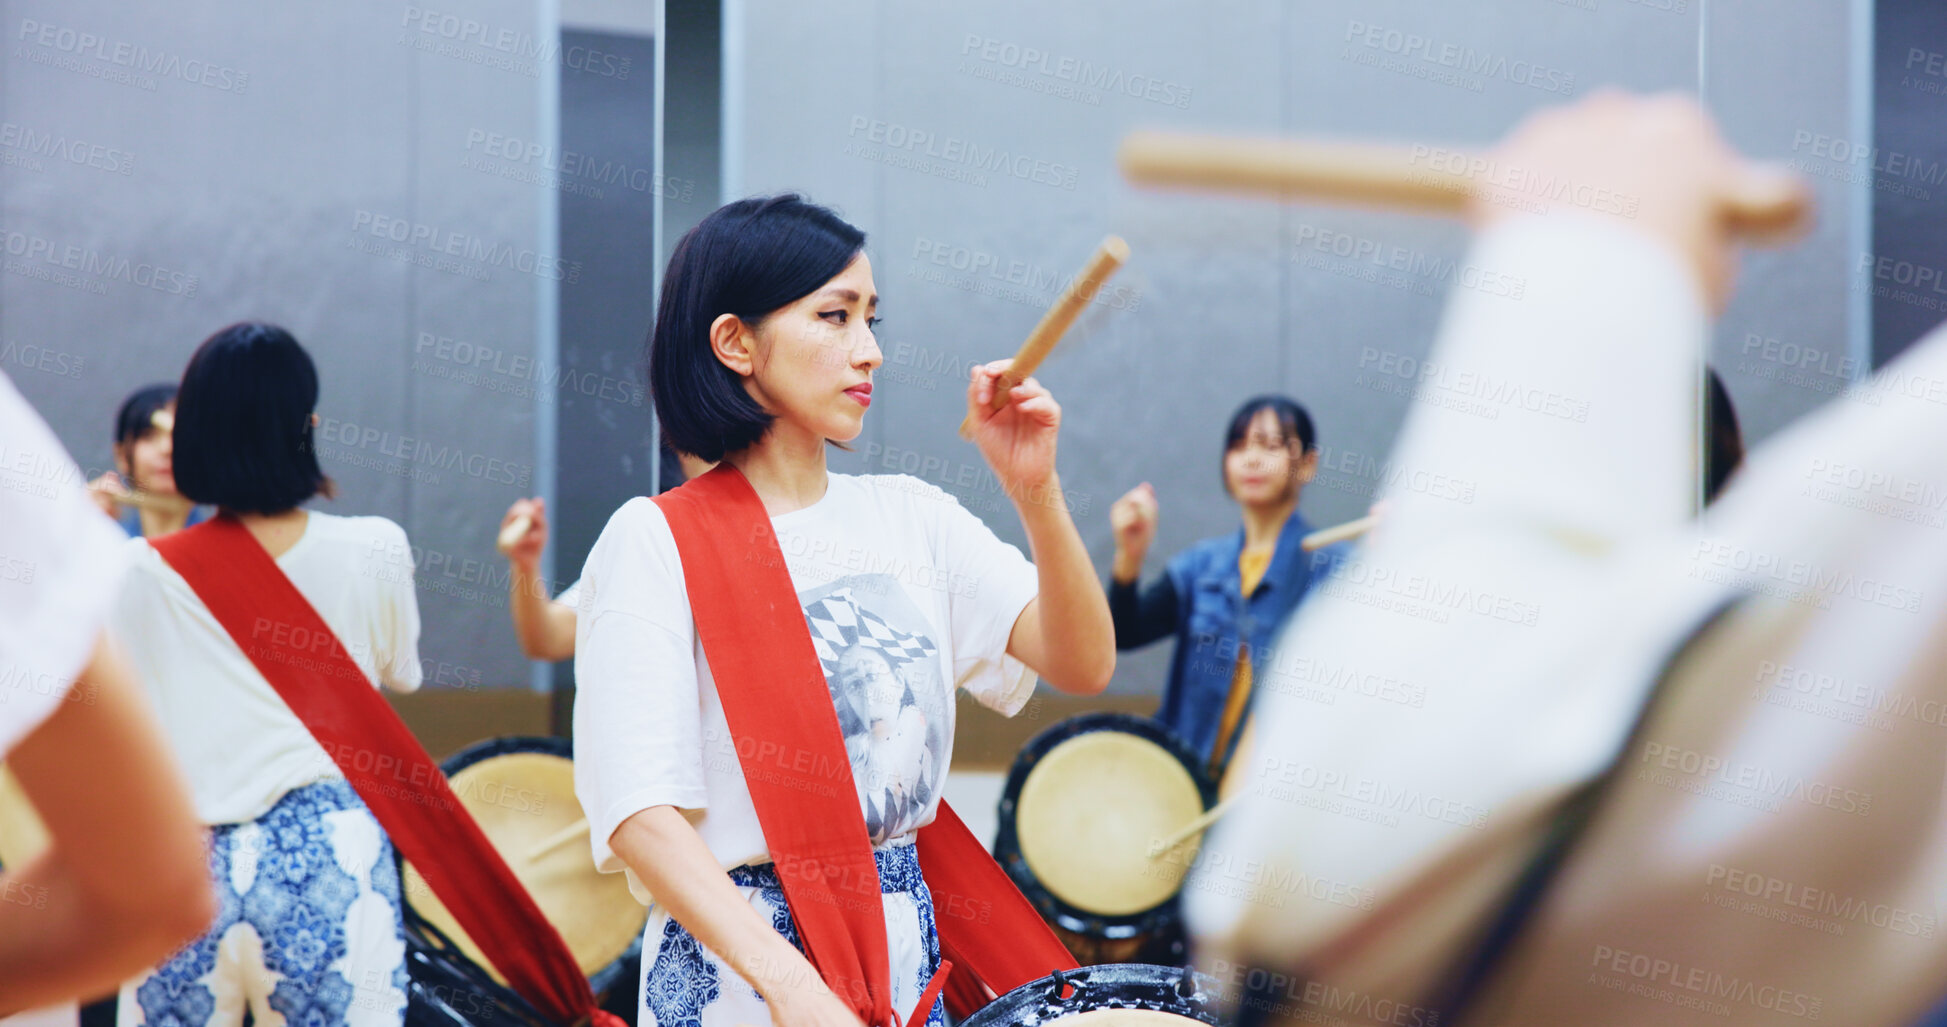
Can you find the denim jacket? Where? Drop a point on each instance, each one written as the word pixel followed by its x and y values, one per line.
pixel 1198 599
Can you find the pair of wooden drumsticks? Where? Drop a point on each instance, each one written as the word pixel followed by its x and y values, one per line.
pixel 1343 172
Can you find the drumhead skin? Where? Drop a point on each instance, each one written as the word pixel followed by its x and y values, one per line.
pixel 1089 813
pixel 1112 995
pixel 522 793
pixel 1085 801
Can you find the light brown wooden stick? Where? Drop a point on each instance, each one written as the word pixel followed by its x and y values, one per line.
pixel 1182 834
pixel 1106 260
pixel 1338 533
pixel 142 500
pixel 578 829
pixel 1438 180
pixel 516 529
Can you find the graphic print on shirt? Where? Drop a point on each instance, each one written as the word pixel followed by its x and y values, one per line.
pixel 882 668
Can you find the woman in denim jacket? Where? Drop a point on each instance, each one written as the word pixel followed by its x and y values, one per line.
pixel 1270 454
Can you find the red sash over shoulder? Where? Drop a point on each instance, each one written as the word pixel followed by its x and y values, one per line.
pixel 296 651
pixel 776 702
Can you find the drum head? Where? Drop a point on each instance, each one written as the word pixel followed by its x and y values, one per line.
pixel 1089 813
pixel 522 793
pixel 1113 995
pixel 1085 802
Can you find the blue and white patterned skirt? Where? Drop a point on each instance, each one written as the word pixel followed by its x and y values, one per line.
pixel 307 931
pixel 686 985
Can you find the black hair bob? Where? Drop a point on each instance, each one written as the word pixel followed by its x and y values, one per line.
pixel 747 258
pixel 1293 422
pixel 243 422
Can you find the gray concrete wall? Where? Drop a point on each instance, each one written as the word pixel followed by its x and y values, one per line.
pixel 1224 298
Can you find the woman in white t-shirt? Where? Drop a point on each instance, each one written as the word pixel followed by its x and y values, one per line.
pixel 762 355
pixel 310 923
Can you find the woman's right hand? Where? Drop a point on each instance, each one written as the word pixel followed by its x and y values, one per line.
pixel 1133 517
pixel 526 553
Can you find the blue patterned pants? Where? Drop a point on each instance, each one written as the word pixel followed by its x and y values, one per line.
pixel 686 985
pixel 308 930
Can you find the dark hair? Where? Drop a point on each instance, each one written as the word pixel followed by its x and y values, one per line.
pixel 1293 422
pixel 136 418
pixel 747 258
pixel 243 422
pixel 1723 443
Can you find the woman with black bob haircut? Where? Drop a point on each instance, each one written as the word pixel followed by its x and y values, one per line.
pixel 762 356
pixel 1224 598
pixel 269 792
pixel 244 418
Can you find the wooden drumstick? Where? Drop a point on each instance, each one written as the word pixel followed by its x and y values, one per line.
pixel 578 829
pixel 516 529
pixel 1771 207
pixel 142 500
pixel 1339 533
pixel 1108 258
pixel 1182 834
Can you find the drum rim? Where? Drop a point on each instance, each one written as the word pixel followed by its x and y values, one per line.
pixel 1146 986
pixel 1007 843
pixel 486 748
pixel 507 745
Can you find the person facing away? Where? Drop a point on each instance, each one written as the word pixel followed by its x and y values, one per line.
pixel 762 356
pixel 1753 697
pixel 1224 598
pixel 310 926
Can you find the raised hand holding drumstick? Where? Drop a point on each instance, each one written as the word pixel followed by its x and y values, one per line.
pixel 1069 615
pixel 1133 519
pixel 546 628
pixel 1018 440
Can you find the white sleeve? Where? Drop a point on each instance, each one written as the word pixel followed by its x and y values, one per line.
pixel 570 596
pixel 61 565
pixel 397 638
pixel 638 717
pixel 1572 406
pixel 989 583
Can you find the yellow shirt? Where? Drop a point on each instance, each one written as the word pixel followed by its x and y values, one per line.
pixel 1250 567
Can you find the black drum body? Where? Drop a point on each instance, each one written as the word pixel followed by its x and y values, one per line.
pixel 1170 990
pixel 449 989
pixel 1153 934
pixel 446 989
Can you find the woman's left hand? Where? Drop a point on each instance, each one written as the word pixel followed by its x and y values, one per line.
pixel 1018 440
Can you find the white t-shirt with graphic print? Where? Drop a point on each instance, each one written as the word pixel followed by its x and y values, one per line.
pixel 907 596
